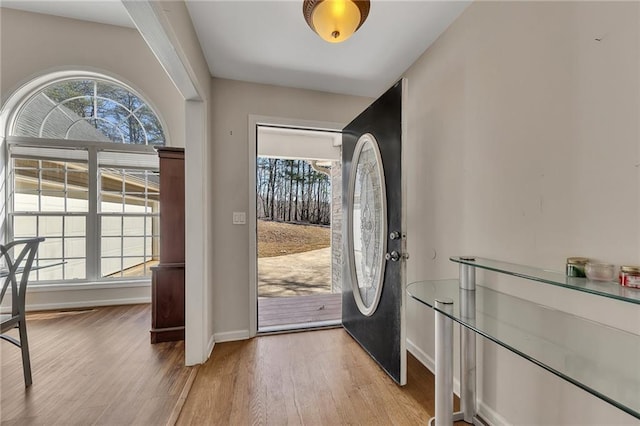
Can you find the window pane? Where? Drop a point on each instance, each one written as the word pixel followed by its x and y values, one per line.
pixel 133 267
pixel 134 226
pixel 112 91
pixel 111 247
pixel 27 202
pixel 153 199
pixel 52 201
pixel 25 163
pixel 134 132
pixel 111 203
pixel 25 226
pixel 111 267
pixel 52 178
pixel 152 126
pixel 75 269
pixel 135 205
pixel 155 248
pixel 75 226
pixel 64 90
pixel 50 248
pixel 108 129
pixel 25 183
pixel 49 274
pixel 135 181
pixel 77 201
pixel 133 246
pixel 50 226
pixel 77 180
pixel 75 247
pixel 81 107
pixel 152 225
pixel 54 124
pixel 111 226
pixel 52 166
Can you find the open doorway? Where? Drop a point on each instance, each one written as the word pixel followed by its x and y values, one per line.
pixel 298 228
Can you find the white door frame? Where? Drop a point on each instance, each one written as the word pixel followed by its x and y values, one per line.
pixel 254 121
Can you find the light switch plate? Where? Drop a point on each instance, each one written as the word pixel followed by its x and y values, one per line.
pixel 239 218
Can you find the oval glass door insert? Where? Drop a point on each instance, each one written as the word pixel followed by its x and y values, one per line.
pixel 367 225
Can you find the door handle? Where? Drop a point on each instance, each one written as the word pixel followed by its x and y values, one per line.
pixel 394 256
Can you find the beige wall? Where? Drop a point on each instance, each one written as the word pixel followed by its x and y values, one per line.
pixel 231 104
pixel 33 45
pixel 523 136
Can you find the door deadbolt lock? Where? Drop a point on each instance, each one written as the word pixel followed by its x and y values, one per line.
pixel 394 256
pixel 395 235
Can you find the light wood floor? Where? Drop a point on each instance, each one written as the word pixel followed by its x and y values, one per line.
pixel 276 311
pixel 97 367
pixel 313 378
pixel 93 367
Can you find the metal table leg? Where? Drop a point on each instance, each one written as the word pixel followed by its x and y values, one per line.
pixel 467 343
pixel 444 364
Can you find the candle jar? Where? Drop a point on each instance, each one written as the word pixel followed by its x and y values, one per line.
pixel 576 266
pixel 600 271
pixel 630 276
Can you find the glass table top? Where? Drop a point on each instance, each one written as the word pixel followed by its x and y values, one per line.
pixel 554 340
pixel 603 288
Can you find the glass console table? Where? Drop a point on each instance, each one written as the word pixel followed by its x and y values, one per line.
pixel 559 342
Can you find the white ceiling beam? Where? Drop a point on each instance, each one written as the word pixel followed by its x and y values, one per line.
pixel 151 22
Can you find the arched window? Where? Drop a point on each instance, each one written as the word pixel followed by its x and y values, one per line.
pixel 83 174
pixel 89 110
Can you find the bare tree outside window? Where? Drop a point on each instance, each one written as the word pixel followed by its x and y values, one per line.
pixel 71 109
pixel 292 191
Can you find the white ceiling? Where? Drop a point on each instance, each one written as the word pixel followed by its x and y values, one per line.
pixel 268 41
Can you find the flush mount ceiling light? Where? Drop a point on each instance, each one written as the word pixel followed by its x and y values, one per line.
pixel 335 20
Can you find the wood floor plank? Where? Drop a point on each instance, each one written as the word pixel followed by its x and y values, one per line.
pixel 93 366
pixel 313 378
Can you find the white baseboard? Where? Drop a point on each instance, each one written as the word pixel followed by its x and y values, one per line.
pixel 40 288
pixel 421 356
pixel 210 346
pixel 231 336
pixel 490 416
pixel 71 297
pixel 429 362
pixel 86 304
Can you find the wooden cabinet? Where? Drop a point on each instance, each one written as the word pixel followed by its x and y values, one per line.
pixel 167 282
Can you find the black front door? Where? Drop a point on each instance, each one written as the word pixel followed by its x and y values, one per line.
pixel 373 291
